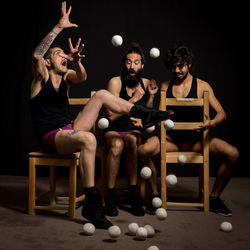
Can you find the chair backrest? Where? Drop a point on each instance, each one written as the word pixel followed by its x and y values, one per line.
pixel 81 102
pixel 203 102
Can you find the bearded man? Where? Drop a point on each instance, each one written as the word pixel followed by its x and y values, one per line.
pixel 125 132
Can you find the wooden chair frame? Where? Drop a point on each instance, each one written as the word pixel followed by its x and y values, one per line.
pixel 55 160
pixel 192 157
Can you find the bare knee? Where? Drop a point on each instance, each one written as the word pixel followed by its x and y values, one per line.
pixel 131 142
pixel 100 94
pixel 117 146
pixel 233 155
pixel 88 141
pixel 150 148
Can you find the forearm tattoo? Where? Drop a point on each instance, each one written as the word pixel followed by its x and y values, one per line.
pixel 42 48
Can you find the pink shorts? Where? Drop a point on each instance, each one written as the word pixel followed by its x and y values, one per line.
pixel 48 140
pixel 182 145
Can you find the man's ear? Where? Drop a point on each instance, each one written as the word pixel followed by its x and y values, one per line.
pixel 47 62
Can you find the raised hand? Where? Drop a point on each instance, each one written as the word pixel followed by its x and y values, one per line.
pixel 74 54
pixel 64 20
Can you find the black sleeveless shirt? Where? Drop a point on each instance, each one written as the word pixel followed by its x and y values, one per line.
pixel 185 114
pixel 124 123
pixel 50 108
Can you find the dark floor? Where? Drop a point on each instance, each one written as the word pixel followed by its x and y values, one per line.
pixel 183 228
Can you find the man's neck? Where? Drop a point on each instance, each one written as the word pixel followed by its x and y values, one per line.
pixel 184 81
pixel 55 79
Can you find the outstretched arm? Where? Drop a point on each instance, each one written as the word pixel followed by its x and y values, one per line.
pixel 79 74
pixel 38 64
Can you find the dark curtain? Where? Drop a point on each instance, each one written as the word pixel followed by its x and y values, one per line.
pixel 215 30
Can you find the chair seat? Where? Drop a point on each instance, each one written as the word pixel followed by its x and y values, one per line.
pixel 192 157
pixel 40 154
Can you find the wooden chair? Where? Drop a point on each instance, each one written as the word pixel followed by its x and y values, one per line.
pixel 55 160
pixel 192 157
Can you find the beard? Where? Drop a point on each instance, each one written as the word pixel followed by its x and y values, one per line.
pixel 180 76
pixel 131 81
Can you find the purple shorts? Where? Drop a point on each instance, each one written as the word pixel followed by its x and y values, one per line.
pixel 48 140
pixel 182 145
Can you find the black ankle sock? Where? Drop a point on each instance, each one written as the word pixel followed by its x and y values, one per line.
pixel 110 190
pixel 89 190
pixel 132 188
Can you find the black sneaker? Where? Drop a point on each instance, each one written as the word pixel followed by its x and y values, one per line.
pixel 94 212
pixel 136 207
pixel 217 205
pixel 150 116
pixel 110 205
pixel 150 209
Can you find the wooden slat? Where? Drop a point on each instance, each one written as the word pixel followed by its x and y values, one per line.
pixel 185 204
pixel 186 125
pixel 78 101
pixel 192 157
pixel 51 207
pixel 184 101
pixel 39 154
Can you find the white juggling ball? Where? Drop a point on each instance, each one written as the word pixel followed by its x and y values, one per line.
pixel 171 180
pixel 153 248
pixel 150 129
pixel 226 226
pixel 117 40
pixel 156 202
pixel 161 213
pixel 132 228
pixel 103 123
pixel 114 232
pixel 168 124
pixel 141 233
pixel 150 231
pixel 182 159
pixel 88 228
pixel 145 173
pixel 154 52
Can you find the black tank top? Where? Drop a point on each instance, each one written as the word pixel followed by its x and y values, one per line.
pixel 50 108
pixel 185 114
pixel 124 123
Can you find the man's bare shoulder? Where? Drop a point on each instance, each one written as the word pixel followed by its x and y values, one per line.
pixel 203 84
pixel 114 85
pixel 146 82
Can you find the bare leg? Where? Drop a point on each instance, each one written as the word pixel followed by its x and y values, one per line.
pixel 114 146
pixel 149 149
pixel 67 142
pixel 230 156
pixel 131 141
pixel 87 117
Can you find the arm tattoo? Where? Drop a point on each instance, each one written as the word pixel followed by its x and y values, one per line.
pixel 42 48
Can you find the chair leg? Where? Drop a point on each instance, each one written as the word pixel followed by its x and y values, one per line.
pixel 32 186
pixel 163 185
pixel 143 189
pixel 103 177
pixel 52 184
pixel 201 183
pixel 206 186
pixel 72 190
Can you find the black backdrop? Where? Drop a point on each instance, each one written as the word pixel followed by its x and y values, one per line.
pixel 216 31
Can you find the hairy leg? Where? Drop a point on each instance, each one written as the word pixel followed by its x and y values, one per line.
pixel 102 98
pixel 230 155
pixel 114 146
pixel 66 142
pixel 131 141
